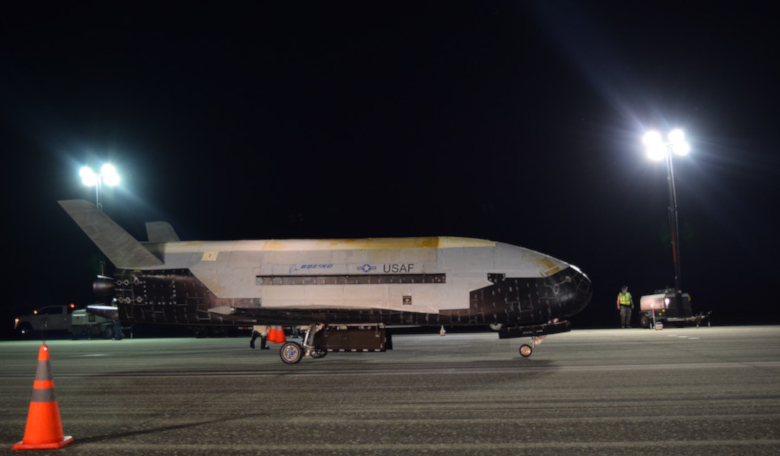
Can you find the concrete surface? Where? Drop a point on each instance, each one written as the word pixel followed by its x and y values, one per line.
pixel 706 391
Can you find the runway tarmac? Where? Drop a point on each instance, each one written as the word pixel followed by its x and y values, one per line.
pixel 690 391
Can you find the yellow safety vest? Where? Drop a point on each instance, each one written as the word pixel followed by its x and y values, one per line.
pixel 624 298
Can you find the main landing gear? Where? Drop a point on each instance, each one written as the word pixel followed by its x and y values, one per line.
pixel 293 352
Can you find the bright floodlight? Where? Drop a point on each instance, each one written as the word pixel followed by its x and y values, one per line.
pixel 656 149
pixel 109 174
pixel 656 152
pixel 679 145
pixel 651 138
pixel 88 177
pixel 676 136
pixel 681 148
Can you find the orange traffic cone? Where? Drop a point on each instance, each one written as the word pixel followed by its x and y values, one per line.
pixel 273 335
pixel 280 335
pixel 44 428
pixel 276 335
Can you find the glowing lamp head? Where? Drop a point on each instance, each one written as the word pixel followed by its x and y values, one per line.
pixel 679 145
pixel 654 145
pixel 88 177
pixel 681 148
pixel 656 152
pixel 676 136
pixel 652 138
pixel 657 149
pixel 109 174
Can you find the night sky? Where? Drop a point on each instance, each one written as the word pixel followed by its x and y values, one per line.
pixel 519 122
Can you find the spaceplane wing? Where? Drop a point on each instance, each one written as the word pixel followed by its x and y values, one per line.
pixel 343 292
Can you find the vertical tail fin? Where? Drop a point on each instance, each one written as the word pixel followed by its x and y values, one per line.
pixel 117 244
pixel 160 232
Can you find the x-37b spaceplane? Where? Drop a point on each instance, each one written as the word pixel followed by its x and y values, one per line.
pixel 343 293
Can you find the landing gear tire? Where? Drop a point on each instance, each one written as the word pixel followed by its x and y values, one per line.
pixel 318 354
pixel 291 353
pixel 526 350
pixel 25 330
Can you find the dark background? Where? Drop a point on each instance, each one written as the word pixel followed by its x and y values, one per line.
pixel 518 122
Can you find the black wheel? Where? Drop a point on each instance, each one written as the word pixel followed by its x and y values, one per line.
pixel 108 333
pixel 526 350
pixel 217 331
pixel 646 322
pixel 200 331
pixel 291 353
pixel 317 353
pixel 24 330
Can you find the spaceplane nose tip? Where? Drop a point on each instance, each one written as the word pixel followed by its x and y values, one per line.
pixel 583 291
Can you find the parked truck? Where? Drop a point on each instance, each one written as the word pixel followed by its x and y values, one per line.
pixel 661 308
pixel 64 318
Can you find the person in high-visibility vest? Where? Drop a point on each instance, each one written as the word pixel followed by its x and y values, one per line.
pixel 625 304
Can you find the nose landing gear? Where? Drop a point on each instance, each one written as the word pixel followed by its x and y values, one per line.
pixel 527 350
pixel 536 332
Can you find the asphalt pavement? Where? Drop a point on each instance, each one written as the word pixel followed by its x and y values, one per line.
pixel 689 391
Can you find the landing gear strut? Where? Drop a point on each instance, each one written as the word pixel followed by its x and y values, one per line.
pixel 537 333
pixel 293 352
pixel 527 350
